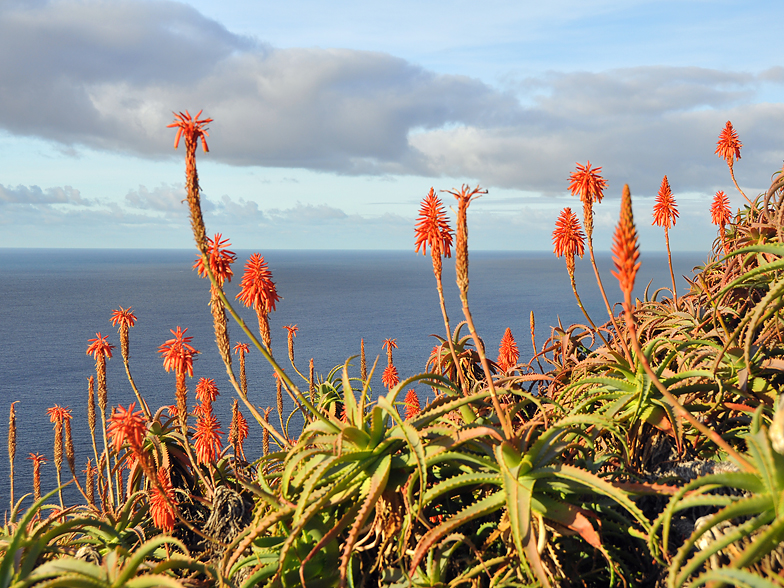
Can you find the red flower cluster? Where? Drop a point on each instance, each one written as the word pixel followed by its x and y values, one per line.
pixel 568 238
pixel 665 211
pixel 412 405
pixel 728 145
pixel 127 426
pixel 220 260
pixel 257 289
pixel 625 249
pixel 508 354
pixel 99 346
pixel 160 508
pixel 123 317
pixel 207 441
pixel 587 183
pixel 192 128
pixel 389 378
pixel 721 213
pixel 432 228
pixel 178 354
pixel 206 390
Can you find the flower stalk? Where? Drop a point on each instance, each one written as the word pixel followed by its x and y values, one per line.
pixel 665 213
pixel 464 197
pixel 626 259
pixel 728 148
pixel 100 349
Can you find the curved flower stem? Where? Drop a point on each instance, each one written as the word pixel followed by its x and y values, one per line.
pixel 585 312
pixel 280 439
pixel 460 374
pixel 677 406
pixel 194 461
pixel 110 492
pixel 621 340
pixel 734 181
pixel 502 416
pixel 669 259
pixel 59 488
pixel 142 403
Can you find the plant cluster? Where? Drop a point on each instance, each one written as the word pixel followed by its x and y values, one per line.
pixel 646 450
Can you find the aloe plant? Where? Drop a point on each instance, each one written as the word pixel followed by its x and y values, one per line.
pixel 754 512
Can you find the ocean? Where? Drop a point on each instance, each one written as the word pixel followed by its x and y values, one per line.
pixel 54 300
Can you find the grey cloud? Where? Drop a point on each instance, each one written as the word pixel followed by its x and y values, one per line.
pixel 164 198
pixel 240 211
pixel 108 74
pixel 36 195
pixel 643 91
pixel 308 213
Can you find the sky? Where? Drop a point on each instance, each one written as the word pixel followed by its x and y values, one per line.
pixel 332 120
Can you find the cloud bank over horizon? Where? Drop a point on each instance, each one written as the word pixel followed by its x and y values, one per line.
pixel 105 76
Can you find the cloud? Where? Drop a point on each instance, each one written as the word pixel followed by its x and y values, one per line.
pixel 624 121
pixel 165 198
pixel 108 74
pixel 309 213
pixel 34 195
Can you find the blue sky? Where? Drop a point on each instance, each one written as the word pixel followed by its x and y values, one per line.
pixel 332 120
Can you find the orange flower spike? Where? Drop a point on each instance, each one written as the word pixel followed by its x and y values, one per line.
pixel 589 186
pixel 389 345
pixel 432 228
pixel 178 354
pixel 508 354
pixel 587 183
pixel 99 346
pixel 291 332
pixel 243 350
pixel 568 238
pixel 127 426
pixel 625 249
pixel 720 211
pixel 206 390
pixel 220 260
pixel 192 128
pixel 464 198
pixel 202 409
pixel 239 425
pixel 207 440
pixel 38 460
pixel 57 413
pixel 389 378
pixel 123 318
pixel 257 289
pixel 413 407
pixel 665 211
pixel 161 500
pixel 242 428
pixel 728 145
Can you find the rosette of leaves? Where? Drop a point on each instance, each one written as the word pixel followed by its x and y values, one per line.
pixel 502 499
pixel 54 551
pixel 336 495
pixel 741 541
pixel 442 362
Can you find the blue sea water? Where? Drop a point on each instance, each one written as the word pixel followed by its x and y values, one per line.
pixel 54 300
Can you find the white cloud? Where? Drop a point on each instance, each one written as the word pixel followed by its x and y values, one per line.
pixel 34 195
pixel 108 74
pixel 164 198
